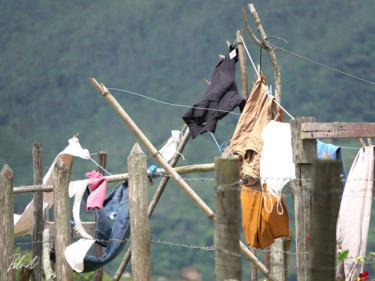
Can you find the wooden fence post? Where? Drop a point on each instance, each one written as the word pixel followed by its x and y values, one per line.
pixel 324 212
pixel 228 219
pixel 60 178
pixel 102 161
pixel 304 153
pixel 8 273
pixel 38 213
pixel 154 201
pixel 139 222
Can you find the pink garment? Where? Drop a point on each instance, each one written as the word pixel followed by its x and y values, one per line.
pixel 98 186
pixel 355 211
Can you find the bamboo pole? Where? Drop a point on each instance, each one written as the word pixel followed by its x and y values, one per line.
pixel 154 201
pixel 38 212
pixel 176 177
pixel 228 223
pixel 8 272
pixel 60 178
pixel 139 222
pixel 197 168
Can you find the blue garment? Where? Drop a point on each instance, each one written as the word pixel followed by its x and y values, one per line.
pixel 114 238
pixel 115 206
pixel 334 152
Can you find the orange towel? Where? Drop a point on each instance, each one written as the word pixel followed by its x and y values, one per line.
pixel 260 227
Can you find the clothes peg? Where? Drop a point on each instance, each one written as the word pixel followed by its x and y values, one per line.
pixel 362 142
pixel 269 90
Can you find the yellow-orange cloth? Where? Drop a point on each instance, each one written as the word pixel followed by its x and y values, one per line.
pixel 260 227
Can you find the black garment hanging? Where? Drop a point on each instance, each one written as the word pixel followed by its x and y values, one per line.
pixel 220 98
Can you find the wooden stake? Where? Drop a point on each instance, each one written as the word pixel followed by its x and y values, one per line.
pixel 324 213
pixel 102 161
pixel 8 272
pixel 304 153
pixel 139 222
pixel 228 222
pixel 176 177
pixel 38 212
pixel 60 178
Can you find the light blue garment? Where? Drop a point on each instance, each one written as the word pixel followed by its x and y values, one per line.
pixel 335 153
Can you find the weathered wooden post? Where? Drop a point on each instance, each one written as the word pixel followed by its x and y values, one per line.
pixel 8 272
pixel 304 153
pixel 154 201
pixel 38 213
pixel 324 212
pixel 60 178
pixel 102 161
pixel 139 222
pixel 228 219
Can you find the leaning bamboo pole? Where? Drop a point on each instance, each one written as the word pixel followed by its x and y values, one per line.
pixel 175 176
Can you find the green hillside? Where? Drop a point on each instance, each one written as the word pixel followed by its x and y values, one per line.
pixel 162 50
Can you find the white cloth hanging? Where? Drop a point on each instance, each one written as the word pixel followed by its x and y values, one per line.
pixel 276 162
pixel 355 211
pixel 170 148
pixel 23 223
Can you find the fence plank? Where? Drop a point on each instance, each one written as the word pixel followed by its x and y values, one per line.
pixel 324 212
pixel 60 178
pixel 228 219
pixel 337 130
pixel 8 273
pixel 38 213
pixel 139 222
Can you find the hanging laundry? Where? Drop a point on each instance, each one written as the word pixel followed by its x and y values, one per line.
pixel 261 222
pixel 247 142
pixel 23 223
pixel 276 163
pixel 220 98
pixel 335 154
pixel 170 148
pixel 98 187
pixel 115 206
pixel 355 211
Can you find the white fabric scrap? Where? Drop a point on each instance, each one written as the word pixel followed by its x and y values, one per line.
pixel 23 223
pixel 170 148
pixel 276 162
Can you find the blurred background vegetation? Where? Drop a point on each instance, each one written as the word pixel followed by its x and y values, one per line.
pixel 163 49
